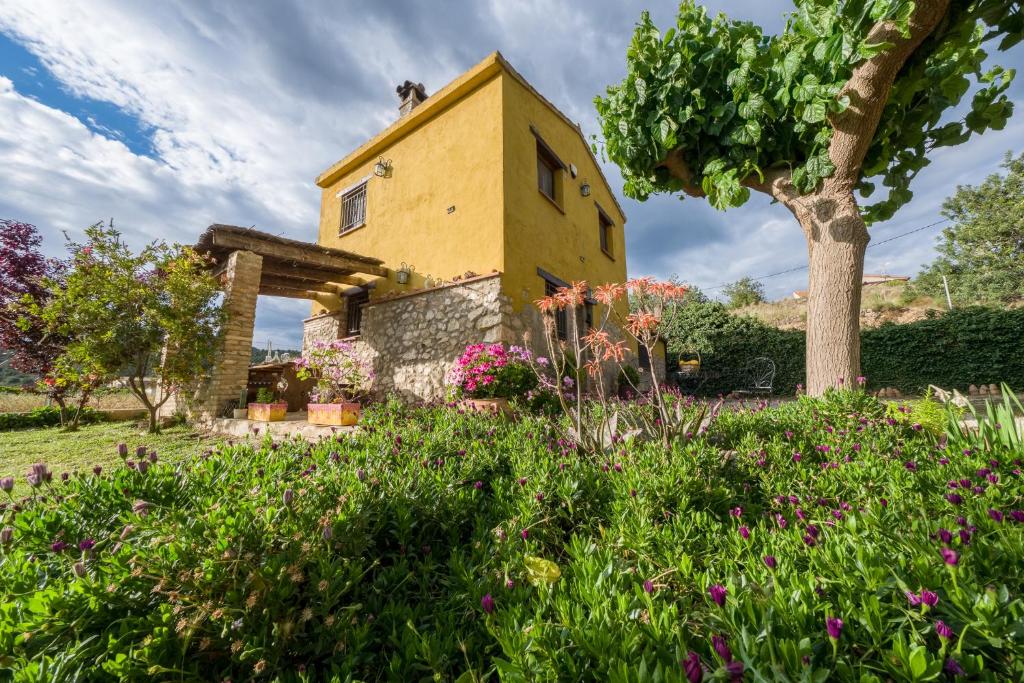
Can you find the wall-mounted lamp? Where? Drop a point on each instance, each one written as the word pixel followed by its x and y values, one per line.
pixel 585 189
pixel 382 168
pixel 402 274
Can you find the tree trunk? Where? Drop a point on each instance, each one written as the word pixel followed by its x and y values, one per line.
pixel 836 240
pixel 154 425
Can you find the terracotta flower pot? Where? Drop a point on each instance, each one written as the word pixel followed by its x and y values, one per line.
pixel 267 412
pixel 488 406
pixel 333 414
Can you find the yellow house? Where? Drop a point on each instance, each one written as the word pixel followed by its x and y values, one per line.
pixel 479 199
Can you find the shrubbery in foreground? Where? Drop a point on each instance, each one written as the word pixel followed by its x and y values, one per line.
pixel 820 540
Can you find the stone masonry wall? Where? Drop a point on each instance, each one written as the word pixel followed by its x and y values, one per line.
pixel 413 340
pixel 325 327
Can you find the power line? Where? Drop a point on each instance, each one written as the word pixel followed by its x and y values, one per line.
pixel 805 267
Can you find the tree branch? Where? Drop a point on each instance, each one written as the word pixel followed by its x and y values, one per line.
pixel 868 90
pixel 677 166
pixel 775 182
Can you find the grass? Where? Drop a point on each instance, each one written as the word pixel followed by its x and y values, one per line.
pixel 23 402
pixel 91 445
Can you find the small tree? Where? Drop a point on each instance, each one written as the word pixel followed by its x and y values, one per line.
pixel 149 316
pixel 850 93
pixel 744 292
pixel 982 252
pixel 26 279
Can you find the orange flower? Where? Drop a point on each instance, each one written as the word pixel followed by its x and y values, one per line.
pixel 641 323
pixel 607 294
pixel 546 304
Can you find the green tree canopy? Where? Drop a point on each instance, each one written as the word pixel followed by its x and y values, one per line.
pixel 150 316
pixel 982 251
pixel 744 292
pixel 852 93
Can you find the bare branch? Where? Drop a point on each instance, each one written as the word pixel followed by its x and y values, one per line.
pixel 775 182
pixel 677 166
pixel 868 90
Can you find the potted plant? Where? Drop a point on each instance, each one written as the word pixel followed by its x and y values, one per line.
pixel 266 409
pixel 241 410
pixel 486 376
pixel 340 377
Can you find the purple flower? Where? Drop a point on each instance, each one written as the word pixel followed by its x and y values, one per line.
pixel 648 586
pixel 945 535
pixel 943 631
pixel 692 667
pixel 361 474
pixel 328 532
pixel 143 466
pixel 522 481
pixel 965 536
pixel 7 484
pixel 525 533
pixel 478 485
pixel 97 470
pixel 910 465
pixel 950 557
pixel 79 569
pixel 539 497
pixel 1017 516
pixel 954 498
pixel 810 540
pixel 953 667
pixel 721 648
pixel 769 561
pixel 736 512
pixel 288 496
pixel 717 592
pixel 6 535
pixel 744 532
pixel 122 450
pixel 735 670
pixel 996 515
pixel 834 626
pixel 929 598
pixel 58 546
pixel 86 544
pixel 487 603
pixel 510 584
pixel 140 507
pixel 913 598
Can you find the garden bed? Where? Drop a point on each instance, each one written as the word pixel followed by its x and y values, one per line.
pixel 818 540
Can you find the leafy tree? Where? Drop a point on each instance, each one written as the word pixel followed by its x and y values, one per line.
pixel 982 252
pixel 151 315
pixel 25 280
pixel 852 91
pixel 744 292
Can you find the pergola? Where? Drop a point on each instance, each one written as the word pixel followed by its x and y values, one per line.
pixel 248 263
pixel 290 268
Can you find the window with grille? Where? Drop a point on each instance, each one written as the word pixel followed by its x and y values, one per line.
pixel 561 315
pixel 353 208
pixel 354 305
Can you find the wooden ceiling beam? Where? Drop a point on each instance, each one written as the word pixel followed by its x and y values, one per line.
pixel 297 284
pixel 290 293
pixel 303 256
pixel 310 273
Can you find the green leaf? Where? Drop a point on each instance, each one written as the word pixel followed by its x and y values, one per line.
pixel 748 50
pixel 815 111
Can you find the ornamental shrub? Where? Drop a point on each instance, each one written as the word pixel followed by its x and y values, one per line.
pixel 492 371
pixel 818 540
pixel 338 372
pixel 46 416
pixel 961 347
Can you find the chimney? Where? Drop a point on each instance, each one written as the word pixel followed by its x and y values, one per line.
pixel 411 96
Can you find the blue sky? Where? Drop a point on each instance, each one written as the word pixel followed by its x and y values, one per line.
pixel 170 116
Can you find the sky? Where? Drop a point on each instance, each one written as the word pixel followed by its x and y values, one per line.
pixel 167 117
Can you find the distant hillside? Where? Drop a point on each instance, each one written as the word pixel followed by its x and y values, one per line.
pixel 880 303
pixel 9 377
pixel 260 355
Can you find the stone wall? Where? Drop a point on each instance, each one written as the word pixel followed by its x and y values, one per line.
pixel 414 339
pixel 325 327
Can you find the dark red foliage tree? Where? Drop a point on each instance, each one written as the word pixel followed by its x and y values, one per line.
pixel 26 276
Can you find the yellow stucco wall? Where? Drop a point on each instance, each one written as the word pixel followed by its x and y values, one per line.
pixel 563 240
pixel 470 146
pixel 452 160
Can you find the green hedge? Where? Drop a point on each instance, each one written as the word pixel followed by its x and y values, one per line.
pixel 965 346
pixel 48 416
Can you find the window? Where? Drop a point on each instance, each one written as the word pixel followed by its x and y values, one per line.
pixel 605 227
pixel 353 208
pixel 588 314
pixel 354 305
pixel 545 176
pixel 562 315
pixel 645 358
pixel 549 170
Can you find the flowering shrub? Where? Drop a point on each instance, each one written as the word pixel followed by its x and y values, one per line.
pixel 805 542
pixel 339 373
pixel 492 371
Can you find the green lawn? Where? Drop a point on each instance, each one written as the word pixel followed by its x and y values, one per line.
pixel 91 445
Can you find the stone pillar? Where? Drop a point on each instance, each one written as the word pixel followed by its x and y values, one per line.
pixel 230 373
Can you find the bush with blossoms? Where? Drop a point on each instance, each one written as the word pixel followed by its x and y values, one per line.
pixel 824 539
pixel 493 371
pixel 338 372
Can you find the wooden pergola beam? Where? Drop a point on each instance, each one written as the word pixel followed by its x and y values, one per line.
pixel 290 292
pixel 302 256
pixel 297 284
pixel 310 273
